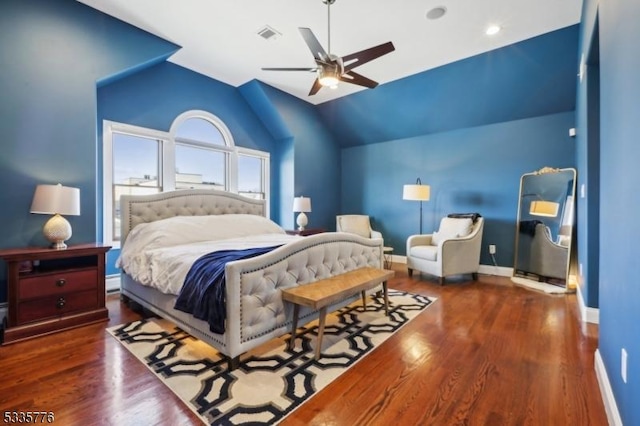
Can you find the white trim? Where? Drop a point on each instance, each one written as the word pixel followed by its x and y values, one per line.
pixel 587 314
pixel 4 309
pixel 112 283
pixel 501 271
pixel 108 129
pixel 265 157
pixel 609 400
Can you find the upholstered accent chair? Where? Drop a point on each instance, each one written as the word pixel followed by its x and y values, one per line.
pixel 452 250
pixel 356 224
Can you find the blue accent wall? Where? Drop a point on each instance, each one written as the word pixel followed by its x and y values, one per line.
pixel 528 79
pixel 53 54
pixel 615 23
pixel 475 169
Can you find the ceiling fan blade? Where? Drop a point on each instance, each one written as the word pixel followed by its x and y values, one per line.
pixel 315 88
pixel 289 69
pixel 355 78
pixel 364 56
pixel 316 48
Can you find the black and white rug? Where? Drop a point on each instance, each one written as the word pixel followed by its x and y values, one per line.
pixel 271 381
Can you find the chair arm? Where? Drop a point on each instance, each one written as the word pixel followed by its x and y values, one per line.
pixel 376 234
pixel 418 240
pixel 461 255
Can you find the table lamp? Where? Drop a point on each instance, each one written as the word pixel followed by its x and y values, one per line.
pixel 302 205
pixel 56 200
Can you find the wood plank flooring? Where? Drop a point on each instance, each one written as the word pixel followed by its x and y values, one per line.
pixel 486 353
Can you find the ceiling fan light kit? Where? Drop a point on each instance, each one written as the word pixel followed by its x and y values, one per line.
pixel 331 69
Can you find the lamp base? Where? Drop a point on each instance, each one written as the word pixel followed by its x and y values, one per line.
pixel 57 230
pixel 302 221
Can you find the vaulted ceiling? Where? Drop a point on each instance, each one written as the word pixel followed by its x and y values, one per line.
pixel 221 40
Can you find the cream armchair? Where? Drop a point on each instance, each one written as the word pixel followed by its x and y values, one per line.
pixel 453 250
pixel 356 224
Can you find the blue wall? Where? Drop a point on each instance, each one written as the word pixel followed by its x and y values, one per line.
pixel 528 79
pixel 53 54
pixel 483 176
pixel 618 252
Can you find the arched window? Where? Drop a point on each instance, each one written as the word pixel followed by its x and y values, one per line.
pixel 197 152
pixel 205 154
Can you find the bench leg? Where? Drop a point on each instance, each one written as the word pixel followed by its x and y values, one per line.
pixel 386 298
pixel 294 326
pixel 323 314
pixel 364 299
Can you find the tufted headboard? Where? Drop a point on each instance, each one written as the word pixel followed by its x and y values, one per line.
pixel 137 209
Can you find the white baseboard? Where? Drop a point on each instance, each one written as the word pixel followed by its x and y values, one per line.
pixel 587 314
pixel 501 271
pixel 3 312
pixel 112 283
pixel 610 406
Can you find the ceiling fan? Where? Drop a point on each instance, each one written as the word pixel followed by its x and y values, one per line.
pixel 332 69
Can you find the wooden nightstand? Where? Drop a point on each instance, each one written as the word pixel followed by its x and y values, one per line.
pixel 305 232
pixel 51 290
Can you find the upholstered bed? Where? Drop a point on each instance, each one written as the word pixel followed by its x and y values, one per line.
pixel 255 312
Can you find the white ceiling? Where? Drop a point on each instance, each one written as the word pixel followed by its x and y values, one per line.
pixel 219 38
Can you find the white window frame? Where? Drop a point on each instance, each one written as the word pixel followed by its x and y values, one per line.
pixel 167 172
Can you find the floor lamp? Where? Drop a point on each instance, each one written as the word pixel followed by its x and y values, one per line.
pixel 417 192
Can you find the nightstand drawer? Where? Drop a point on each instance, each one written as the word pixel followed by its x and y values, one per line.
pixel 57 283
pixel 56 305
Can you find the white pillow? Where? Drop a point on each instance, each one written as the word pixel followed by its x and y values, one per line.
pixel 451 227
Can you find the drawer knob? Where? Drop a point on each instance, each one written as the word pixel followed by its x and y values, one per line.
pixel 61 302
pixel 61 282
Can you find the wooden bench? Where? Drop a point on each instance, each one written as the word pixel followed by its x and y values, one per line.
pixel 320 294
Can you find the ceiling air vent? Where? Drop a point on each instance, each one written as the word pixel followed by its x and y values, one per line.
pixel 268 33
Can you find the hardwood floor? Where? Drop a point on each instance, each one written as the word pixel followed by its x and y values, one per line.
pixel 486 353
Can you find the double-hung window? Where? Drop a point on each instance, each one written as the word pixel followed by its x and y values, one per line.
pixel 197 152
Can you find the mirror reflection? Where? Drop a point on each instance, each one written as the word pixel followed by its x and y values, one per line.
pixel 545 225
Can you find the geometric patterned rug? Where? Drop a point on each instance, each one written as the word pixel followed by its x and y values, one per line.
pixel 271 380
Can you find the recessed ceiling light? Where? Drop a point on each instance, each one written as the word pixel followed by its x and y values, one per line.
pixel 436 12
pixel 493 29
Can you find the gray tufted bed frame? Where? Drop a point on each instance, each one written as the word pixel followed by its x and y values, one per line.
pixel 255 310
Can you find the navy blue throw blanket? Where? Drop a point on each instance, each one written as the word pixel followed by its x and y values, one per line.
pixel 203 292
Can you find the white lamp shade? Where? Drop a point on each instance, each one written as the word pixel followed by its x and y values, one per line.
pixel 56 199
pixel 302 204
pixel 544 208
pixel 416 192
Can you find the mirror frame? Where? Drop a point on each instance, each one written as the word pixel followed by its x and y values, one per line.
pixel 565 213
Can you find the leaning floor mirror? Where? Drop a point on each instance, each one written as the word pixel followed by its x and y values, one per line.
pixel 544 229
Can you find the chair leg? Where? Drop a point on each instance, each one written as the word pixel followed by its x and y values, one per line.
pixel 441 280
pixel 474 276
pixel 410 272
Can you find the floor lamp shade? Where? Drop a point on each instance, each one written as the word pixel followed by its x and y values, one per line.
pixel 417 192
pixel 302 205
pixel 56 200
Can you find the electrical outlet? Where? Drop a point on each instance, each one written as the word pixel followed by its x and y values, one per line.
pixel 492 249
pixel 623 365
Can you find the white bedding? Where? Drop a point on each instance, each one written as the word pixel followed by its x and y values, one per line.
pixel 159 254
